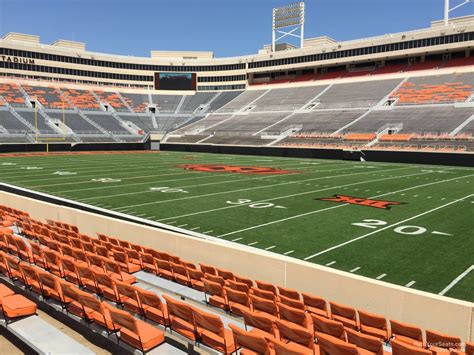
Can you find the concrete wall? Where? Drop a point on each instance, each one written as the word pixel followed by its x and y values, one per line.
pixel 394 302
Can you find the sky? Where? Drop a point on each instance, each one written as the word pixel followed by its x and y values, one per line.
pixel 226 27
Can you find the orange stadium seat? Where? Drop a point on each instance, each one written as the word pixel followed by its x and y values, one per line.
pixel 212 333
pixel 152 307
pixel 373 324
pixel 249 343
pixel 407 333
pixel 181 316
pixel 403 348
pixel 344 314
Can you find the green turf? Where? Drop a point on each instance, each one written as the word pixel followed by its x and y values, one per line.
pixel 434 199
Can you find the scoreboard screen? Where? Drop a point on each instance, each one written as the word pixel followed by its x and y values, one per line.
pixel 175 81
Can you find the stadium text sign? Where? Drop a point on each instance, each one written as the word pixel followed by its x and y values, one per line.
pixel 10 59
pixel 361 201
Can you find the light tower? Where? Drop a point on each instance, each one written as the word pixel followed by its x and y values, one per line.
pixel 447 10
pixel 288 21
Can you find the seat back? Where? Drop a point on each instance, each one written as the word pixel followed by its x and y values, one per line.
pixel 121 257
pixel 470 348
pixel 407 330
pixel 292 315
pixel 372 320
pixel 290 302
pixel 266 286
pixel 281 348
pixel 295 333
pixel 123 318
pixel 29 272
pixel 365 341
pixel 214 278
pixel 286 292
pixel 149 298
pixel 209 322
pixel 329 345
pixel 207 269
pixel 268 295
pixel 343 311
pixel 237 296
pixel 440 340
pixel 195 274
pixel 328 326
pixel 225 274
pixel 126 290
pixel 314 301
pixel 244 280
pixel 213 288
pixel 238 286
pixel 402 348
pixel 259 321
pixel 179 309
pixel 104 279
pixel 248 340
pixel 264 305
pixel 48 280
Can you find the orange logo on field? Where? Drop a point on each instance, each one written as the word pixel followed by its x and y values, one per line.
pixel 216 168
pixel 361 201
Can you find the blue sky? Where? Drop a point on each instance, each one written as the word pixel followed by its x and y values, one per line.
pixel 227 27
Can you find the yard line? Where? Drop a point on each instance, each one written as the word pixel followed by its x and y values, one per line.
pixel 188 178
pixel 289 252
pixel 140 215
pixel 173 222
pixel 410 284
pixel 456 280
pixel 253 243
pixel 292 195
pixel 331 263
pixel 193 229
pixel 273 246
pixel 381 276
pixel 182 225
pixel 387 227
pixel 205 184
pixel 195 185
pixel 338 206
pixel 355 269
pixel 153 168
pixel 306 213
pixel 208 231
pixel 236 239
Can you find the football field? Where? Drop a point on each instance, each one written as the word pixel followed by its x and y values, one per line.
pixel 411 225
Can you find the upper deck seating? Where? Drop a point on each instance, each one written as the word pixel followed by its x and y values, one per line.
pixel 12 95
pixel 138 102
pixel 192 102
pixel 418 120
pixel 241 101
pixel 287 99
pixel 144 122
pixel 166 103
pixel 223 99
pixel 49 97
pixel 435 89
pixel 111 98
pixel 361 94
pixel 82 99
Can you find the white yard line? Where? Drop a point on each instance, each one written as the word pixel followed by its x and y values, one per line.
pixel 269 248
pixel 236 239
pixel 410 284
pixel 355 269
pixel 253 243
pixel 311 212
pixel 247 189
pixel 233 180
pixel 387 227
pixel 193 229
pixel 289 252
pixel 339 206
pixel 456 280
pixel 331 263
pixel 293 195
pixel 381 276
pixel 194 177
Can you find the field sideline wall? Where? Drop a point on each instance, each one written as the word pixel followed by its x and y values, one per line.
pixel 394 302
pixel 72 147
pixel 412 157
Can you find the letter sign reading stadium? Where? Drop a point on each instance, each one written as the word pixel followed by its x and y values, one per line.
pixel 9 59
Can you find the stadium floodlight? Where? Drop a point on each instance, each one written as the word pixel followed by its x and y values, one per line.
pixel 447 10
pixel 288 21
